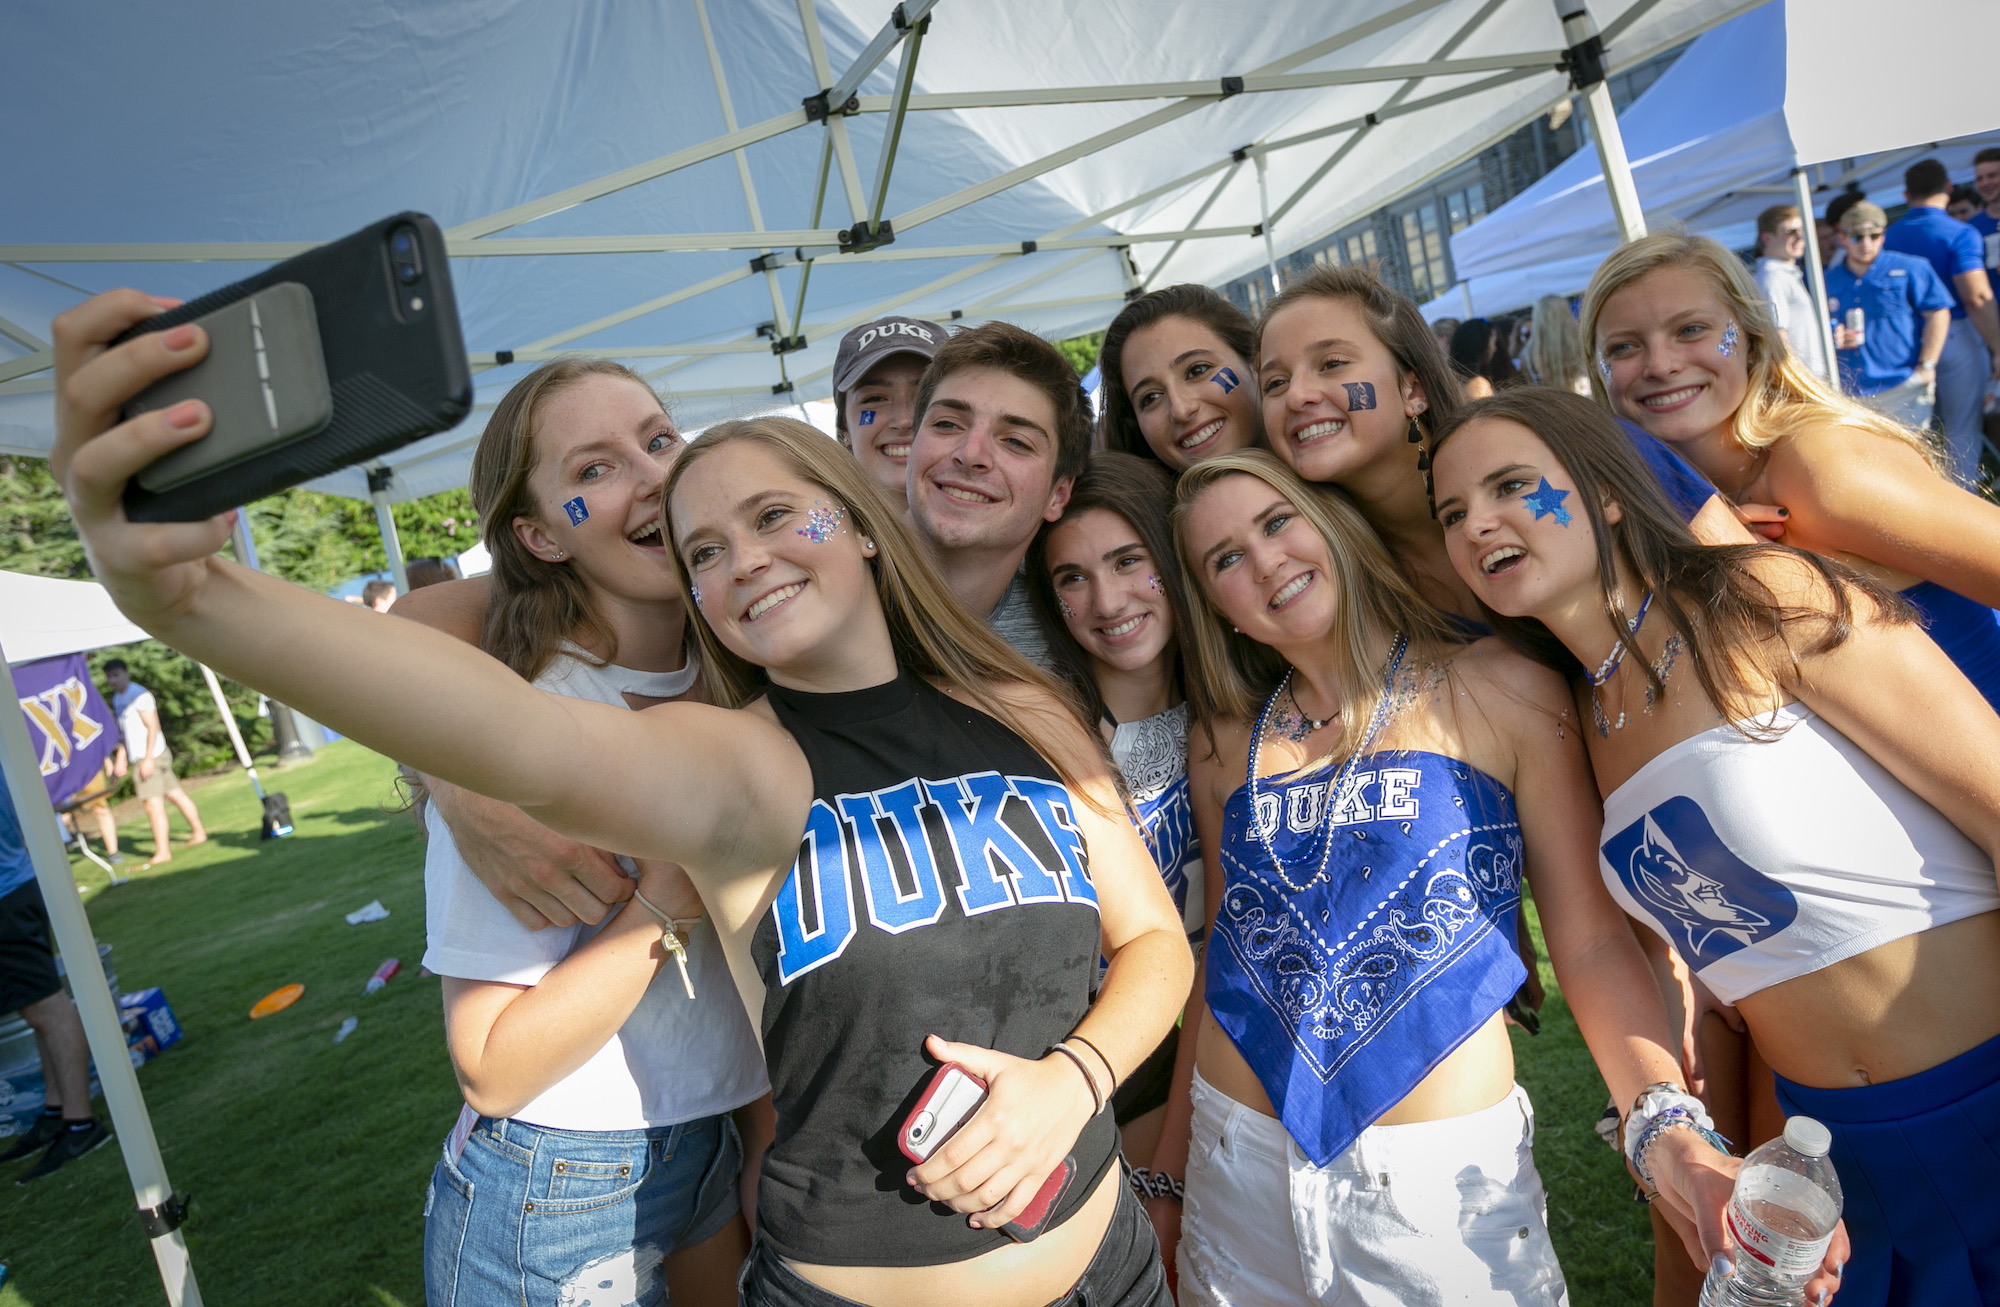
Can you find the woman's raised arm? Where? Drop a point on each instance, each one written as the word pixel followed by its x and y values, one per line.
pixel 592 771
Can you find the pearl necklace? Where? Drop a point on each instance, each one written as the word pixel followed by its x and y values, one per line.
pixel 1337 791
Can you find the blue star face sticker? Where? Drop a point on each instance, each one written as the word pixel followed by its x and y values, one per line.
pixel 1546 499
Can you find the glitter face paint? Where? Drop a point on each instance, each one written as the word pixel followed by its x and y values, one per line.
pixel 578 514
pixel 1360 395
pixel 1546 500
pixel 867 417
pixel 1604 369
pixel 697 595
pixel 1225 378
pixel 1730 338
pixel 1153 580
pixel 822 523
pixel 1062 606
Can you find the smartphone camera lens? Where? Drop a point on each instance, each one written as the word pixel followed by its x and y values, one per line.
pixel 404 256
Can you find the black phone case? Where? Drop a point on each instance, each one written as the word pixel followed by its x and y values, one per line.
pixel 396 375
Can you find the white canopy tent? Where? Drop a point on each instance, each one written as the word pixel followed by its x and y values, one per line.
pixel 41 617
pixel 660 183
pixel 1717 138
pixel 715 196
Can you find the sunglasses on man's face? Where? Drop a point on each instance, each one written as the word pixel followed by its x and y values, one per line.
pixel 1874 235
pixel 1792 233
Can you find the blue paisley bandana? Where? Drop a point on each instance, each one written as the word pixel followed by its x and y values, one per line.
pixel 1345 995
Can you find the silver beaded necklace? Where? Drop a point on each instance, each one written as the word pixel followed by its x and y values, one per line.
pixel 1337 792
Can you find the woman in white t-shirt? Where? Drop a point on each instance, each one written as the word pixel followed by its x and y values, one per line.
pixel 595 1158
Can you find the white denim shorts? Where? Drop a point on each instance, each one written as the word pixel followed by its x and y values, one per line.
pixel 1418 1215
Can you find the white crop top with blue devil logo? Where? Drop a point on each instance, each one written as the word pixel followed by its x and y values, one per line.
pixel 1762 861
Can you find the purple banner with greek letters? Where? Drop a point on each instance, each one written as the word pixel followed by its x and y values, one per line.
pixel 72 729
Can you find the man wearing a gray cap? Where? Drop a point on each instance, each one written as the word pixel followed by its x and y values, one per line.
pixel 875 378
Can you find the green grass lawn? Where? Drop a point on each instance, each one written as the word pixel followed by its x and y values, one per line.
pixel 307 1160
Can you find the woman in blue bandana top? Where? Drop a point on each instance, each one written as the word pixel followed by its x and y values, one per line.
pixel 1371 791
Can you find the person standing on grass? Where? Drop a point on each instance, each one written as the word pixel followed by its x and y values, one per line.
pixel 1781 241
pixel 29 984
pixel 145 754
pixel 1371 790
pixel 1971 353
pixel 1108 588
pixel 865 698
pixel 607 1152
pixel 1799 795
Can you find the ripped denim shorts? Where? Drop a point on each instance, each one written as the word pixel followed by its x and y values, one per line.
pixel 544 1217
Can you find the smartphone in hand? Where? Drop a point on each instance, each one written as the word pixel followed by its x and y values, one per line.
pixel 338 355
pixel 946 1104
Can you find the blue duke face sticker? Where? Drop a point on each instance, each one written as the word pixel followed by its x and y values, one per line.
pixel 1710 902
pixel 1545 499
pixel 578 514
pixel 1360 395
pixel 867 417
pixel 1225 378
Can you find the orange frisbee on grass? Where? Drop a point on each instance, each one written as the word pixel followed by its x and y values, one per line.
pixel 277 1000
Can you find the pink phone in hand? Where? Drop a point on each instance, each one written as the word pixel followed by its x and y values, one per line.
pixel 948 1102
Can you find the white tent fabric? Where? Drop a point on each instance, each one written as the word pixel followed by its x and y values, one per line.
pixel 584 160
pixel 43 616
pixel 1712 144
pixel 1912 91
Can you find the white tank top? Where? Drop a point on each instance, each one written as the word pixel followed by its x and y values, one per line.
pixel 673 1060
pixel 1759 862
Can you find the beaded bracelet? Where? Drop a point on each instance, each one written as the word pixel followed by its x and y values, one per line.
pixel 1653 1100
pixel 1155 1184
pixel 1672 1118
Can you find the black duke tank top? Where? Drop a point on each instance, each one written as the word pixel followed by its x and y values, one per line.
pixel 941 888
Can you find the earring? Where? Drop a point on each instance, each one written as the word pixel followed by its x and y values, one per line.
pixel 559 557
pixel 867 546
pixel 1416 432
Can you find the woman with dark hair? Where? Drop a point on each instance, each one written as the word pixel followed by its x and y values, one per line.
pixel 859 708
pixel 1370 790
pixel 1353 383
pixel 1800 798
pixel 1479 359
pixel 1175 366
pixel 1108 587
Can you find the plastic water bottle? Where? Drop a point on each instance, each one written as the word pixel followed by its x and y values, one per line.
pixel 1782 1215
pixel 382 976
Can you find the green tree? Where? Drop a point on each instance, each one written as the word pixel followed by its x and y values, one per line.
pixel 316 540
pixel 1081 351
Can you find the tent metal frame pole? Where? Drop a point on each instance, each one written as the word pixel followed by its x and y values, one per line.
pixel 1816 275
pixel 781 326
pixel 159 1208
pixel 1401 94
pixel 1586 68
pixel 1228 176
pixel 21 336
pixel 892 135
pixel 1264 211
pixel 379 481
pixel 836 117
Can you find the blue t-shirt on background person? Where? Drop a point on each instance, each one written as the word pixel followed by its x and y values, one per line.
pixel 1985 226
pixel 16 868
pixel 1948 245
pixel 1895 293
